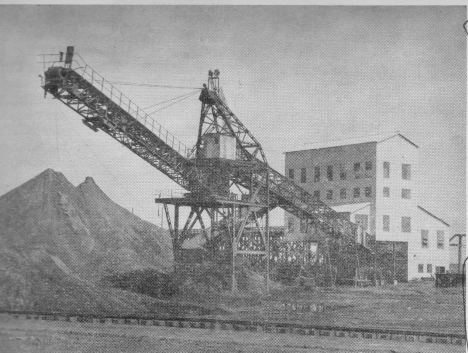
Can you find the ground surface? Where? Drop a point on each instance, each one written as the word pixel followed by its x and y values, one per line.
pixel 408 306
pixel 19 335
pixel 59 242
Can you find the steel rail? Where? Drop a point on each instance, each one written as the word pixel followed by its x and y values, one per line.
pixel 249 325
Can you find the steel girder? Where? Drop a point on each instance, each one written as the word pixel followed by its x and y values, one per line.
pixel 100 112
pixel 284 192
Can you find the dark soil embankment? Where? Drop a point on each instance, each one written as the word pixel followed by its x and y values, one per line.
pixel 58 241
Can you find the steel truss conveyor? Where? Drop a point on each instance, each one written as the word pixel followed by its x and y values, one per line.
pixel 103 107
pixel 283 191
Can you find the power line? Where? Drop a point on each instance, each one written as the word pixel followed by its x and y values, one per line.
pixel 149 85
pixel 167 106
pixel 187 94
pixel 119 181
pixel 91 150
pixel 65 146
pixel 56 135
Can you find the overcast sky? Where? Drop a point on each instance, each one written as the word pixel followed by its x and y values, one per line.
pixel 293 75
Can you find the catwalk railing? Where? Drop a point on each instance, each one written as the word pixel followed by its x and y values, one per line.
pixel 106 108
pixel 86 72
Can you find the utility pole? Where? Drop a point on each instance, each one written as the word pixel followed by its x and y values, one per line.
pixel 267 231
pixel 460 243
pixel 394 262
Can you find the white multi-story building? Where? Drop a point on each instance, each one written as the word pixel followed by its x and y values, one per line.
pixel 375 180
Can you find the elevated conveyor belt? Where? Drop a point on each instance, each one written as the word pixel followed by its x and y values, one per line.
pixel 103 107
pixel 294 199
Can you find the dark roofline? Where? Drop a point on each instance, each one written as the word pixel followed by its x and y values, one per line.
pixel 403 137
pixel 397 133
pixel 431 214
pixel 326 148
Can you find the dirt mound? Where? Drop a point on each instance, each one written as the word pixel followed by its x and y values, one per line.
pixel 34 282
pixel 210 277
pixel 57 241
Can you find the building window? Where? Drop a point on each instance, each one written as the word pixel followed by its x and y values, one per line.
pixel 317 174
pixel 440 239
pixel 368 169
pixel 291 174
pixel 386 169
pixel 368 191
pixel 429 268
pixel 303 225
pixel 342 171
pixel 330 173
pixel 440 269
pixel 357 170
pixel 343 193
pixel 406 171
pixel 290 224
pixel 303 175
pixel 421 268
pixel 424 238
pixel 329 194
pixel 386 191
pixel 356 192
pixel 317 194
pixel 406 193
pixel 406 224
pixel 386 223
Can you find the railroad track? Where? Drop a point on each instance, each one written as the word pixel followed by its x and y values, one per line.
pixel 251 326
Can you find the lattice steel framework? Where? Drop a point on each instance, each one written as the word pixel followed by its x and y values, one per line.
pixel 216 116
pixel 105 108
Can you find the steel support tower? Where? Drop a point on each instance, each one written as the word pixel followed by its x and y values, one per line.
pixel 207 179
